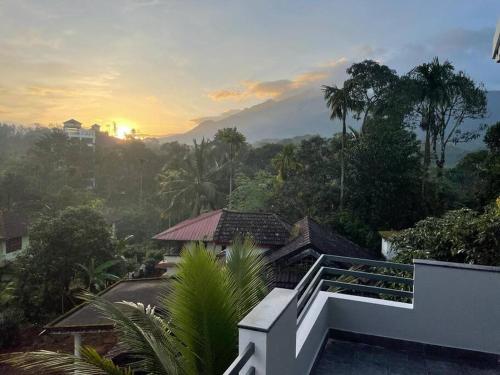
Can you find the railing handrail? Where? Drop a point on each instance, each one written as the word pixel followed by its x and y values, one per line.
pixel 313 282
pixel 370 262
pixel 241 361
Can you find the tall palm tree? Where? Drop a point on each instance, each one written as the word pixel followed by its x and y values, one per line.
pixel 194 331
pixel 234 140
pixel 192 185
pixel 431 81
pixel 285 161
pixel 341 101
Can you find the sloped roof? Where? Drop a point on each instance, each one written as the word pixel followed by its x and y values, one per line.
pixel 85 318
pixel 222 226
pixel 12 225
pixel 265 228
pixel 312 235
pixel 201 228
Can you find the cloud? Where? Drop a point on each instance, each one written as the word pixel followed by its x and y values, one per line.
pixel 324 73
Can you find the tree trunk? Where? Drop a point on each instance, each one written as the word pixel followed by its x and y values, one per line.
pixel 342 161
pixel 427 158
pixel 230 173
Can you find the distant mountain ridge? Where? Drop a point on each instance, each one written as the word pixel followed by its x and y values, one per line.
pixel 302 114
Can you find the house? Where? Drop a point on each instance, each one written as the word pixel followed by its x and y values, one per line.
pixel 496 43
pixel 73 129
pixel 13 236
pixel 290 249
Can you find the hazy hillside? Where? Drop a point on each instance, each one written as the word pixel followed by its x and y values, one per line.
pixel 299 115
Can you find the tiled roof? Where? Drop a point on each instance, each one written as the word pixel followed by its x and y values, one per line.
pixel 312 235
pixel 265 228
pixel 222 226
pixel 12 225
pixel 201 228
pixel 86 318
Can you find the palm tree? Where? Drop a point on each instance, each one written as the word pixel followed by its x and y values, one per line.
pixel 341 101
pixel 194 332
pixel 431 83
pixel 98 276
pixel 234 140
pixel 191 185
pixel 285 161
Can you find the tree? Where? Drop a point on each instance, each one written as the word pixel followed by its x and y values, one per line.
pixel 57 244
pixel 98 276
pixel 462 99
pixel 371 83
pixel 430 79
pixel 234 140
pixel 462 236
pixel 195 330
pixel 192 185
pixel 383 173
pixel 285 162
pixel 340 102
pixel 254 194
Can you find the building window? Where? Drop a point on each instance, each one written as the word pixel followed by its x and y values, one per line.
pixel 13 244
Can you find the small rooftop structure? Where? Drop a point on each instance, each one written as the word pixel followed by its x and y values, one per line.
pixel 72 123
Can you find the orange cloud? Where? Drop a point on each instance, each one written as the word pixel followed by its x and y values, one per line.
pixel 278 88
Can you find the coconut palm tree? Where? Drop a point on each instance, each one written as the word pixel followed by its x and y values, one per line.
pixel 341 101
pixel 192 185
pixel 235 140
pixel 193 331
pixel 285 161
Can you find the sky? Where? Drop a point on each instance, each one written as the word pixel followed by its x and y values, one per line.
pixel 160 66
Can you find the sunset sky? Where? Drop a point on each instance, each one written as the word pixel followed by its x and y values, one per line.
pixel 159 65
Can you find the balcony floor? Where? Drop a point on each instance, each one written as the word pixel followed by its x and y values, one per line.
pixel 343 357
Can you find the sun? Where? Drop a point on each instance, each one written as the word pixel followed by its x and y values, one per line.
pixel 122 131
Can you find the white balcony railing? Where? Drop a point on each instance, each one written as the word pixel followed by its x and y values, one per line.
pixel 445 304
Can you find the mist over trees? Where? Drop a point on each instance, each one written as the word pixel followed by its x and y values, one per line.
pixel 357 182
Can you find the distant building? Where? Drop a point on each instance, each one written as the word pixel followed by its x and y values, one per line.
pixel 13 236
pixel 388 249
pixel 73 129
pixel 496 43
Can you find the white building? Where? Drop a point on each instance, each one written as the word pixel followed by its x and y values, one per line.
pixel 73 129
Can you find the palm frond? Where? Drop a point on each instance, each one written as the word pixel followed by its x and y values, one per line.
pixel 145 335
pixel 203 314
pixel 89 363
pixel 246 269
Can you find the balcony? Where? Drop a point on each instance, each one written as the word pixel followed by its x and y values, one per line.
pixel 358 316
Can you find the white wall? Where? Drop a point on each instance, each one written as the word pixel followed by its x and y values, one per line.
pixel 454 305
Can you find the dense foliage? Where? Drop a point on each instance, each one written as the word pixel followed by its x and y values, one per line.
pixel 89 205
pixel 463 236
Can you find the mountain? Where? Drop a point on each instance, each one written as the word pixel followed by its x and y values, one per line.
pixel 302 114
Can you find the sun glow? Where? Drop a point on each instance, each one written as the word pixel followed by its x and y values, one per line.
pixel 122 130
